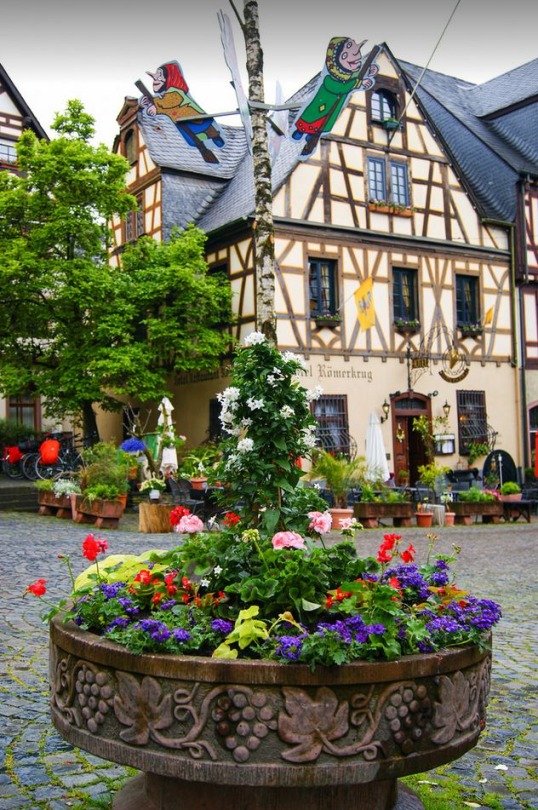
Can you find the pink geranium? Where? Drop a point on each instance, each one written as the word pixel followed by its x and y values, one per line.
pixel 321 522
pixel 287 540
pixel 189 524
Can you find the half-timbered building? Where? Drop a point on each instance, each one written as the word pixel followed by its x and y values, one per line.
pixel 411 213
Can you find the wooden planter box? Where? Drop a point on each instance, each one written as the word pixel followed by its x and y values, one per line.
pixel 49 504
pixel 104 514
pixel 369 513
pixel 222 733
pixel 467 513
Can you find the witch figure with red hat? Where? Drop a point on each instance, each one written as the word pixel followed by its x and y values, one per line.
pixel 172 99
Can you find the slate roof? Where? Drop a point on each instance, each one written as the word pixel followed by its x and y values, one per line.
pixel 488 132
pixel 489 154
pixel 30 121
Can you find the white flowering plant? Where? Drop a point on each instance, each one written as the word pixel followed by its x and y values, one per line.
pixel 265 414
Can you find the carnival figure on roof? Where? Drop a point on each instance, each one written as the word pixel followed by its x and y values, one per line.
pixel 171 98
pixel 342 74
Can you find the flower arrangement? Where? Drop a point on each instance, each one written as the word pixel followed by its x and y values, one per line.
pixel 153 483
pixel 270 583
pixel 283 598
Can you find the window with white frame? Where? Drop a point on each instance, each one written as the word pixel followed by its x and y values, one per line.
pixel 388 181
pixel 384 105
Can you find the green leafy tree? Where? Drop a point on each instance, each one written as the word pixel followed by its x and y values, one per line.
pixel 75 329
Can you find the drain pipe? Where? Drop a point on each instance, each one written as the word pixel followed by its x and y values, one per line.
pixel 516 321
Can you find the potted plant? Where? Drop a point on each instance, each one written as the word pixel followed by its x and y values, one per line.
pixel 447 498
pixel 510 491
pixel 255 661
pixel 432 474
pixel 104 485
pixel 474 503
pixel 385 503
pixel 341 474
pixel 198 463
pixel 153 487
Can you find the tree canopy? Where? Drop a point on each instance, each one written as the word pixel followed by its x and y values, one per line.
pixel 75 329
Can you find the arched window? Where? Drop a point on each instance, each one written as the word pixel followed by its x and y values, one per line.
pixel 384 105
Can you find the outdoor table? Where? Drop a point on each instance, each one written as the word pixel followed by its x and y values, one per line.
pixel 513 510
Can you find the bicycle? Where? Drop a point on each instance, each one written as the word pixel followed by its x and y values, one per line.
pixel 68 460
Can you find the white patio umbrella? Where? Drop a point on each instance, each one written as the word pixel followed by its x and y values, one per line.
pixel 377 468
pixel 169 461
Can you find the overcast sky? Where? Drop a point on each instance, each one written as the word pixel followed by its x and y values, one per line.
pixel 95 50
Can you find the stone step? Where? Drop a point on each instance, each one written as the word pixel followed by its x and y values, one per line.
pixel 15 498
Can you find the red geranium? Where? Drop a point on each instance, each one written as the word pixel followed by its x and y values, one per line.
pixel 409 554
pixel 37 587
pixel 231 519
pixel 92 546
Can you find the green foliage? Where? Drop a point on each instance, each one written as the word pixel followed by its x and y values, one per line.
pixel 477 449
pixel 510 488
pixel 428 429
pixel 474 495
pixel 199 461
pixel 340 473
pixel 106 471
pixel 43 485
pixel 75 329
pixel 11 432
pixel 429 473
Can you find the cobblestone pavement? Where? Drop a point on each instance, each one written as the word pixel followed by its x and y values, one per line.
pixel 40 770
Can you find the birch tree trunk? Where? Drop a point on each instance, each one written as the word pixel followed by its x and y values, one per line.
pixel 264 237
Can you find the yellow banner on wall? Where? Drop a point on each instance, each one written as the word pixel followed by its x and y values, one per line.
pixel 488 317
pixel 364 299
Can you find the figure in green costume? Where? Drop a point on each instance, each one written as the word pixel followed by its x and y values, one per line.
pixel 339 78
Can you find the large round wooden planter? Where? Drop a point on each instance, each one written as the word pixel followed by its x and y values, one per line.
pixel 209 733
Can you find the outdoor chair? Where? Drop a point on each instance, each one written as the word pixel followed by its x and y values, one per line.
pixel 180 490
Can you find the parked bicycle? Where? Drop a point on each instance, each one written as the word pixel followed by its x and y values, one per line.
pixel 61 457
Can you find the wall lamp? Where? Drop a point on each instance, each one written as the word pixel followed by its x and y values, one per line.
pixel 386 408
pixel 446 409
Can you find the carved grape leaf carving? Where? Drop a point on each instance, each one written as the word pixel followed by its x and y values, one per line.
pixel 142 707
pixel 309 723
pixel 449 714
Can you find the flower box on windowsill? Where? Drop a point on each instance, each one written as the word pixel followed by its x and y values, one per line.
pixel 406 327
pixel 471 330
pixel 388 208
pixel 327 321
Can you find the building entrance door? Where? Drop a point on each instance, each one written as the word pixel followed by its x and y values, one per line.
pixel 409 451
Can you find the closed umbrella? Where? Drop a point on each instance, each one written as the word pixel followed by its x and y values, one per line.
pixel 169 461
pixel 377 468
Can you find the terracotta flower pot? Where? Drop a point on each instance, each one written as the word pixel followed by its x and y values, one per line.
pixel 449 518
pixel 224 733
pixel 424 519
pixel 339 514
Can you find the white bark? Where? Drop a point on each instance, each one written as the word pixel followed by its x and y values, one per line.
pixel 264 239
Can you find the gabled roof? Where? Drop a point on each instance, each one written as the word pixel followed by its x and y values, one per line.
pixel 488 132
pixel 29 119
pixel 489 155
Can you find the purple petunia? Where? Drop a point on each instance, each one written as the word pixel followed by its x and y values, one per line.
pixel 180 634
pixel 157 630
pixel 289 647
pixel 119 621
pixel 222 626
pixel 111 590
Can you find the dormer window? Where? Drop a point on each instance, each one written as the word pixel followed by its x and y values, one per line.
pixel 130 147
pixel 384 106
